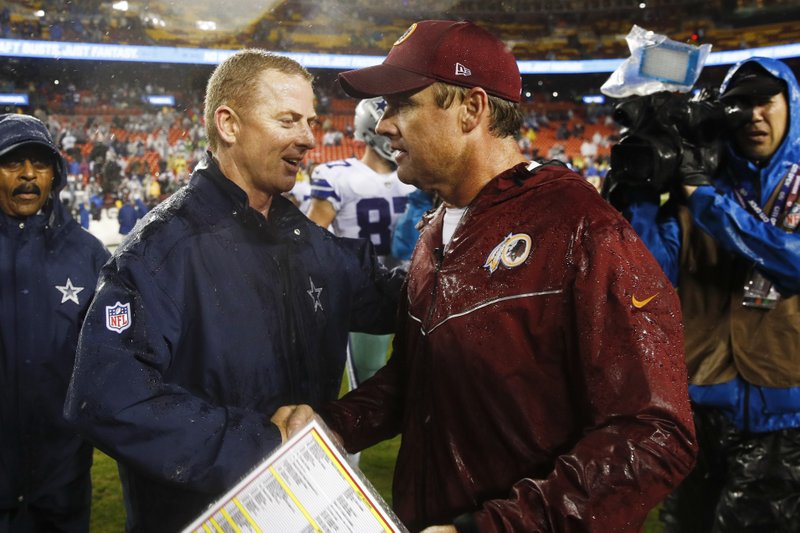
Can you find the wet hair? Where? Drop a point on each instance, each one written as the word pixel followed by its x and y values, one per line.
pixel 235 83
pixel 505 116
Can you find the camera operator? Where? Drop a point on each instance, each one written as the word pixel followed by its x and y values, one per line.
pixel 727 238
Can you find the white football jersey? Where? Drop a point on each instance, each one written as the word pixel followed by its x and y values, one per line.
pixel 302 194
pixel 367 204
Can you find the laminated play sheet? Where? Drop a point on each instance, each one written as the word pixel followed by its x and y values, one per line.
pixel 306 485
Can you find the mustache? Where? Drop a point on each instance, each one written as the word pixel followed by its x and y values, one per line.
pixel 27 188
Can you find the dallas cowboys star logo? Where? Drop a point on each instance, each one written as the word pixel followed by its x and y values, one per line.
pixel 380 105
pixel 314 292
pixel 69 292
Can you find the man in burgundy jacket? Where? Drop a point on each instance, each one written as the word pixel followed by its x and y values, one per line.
pixel 537 379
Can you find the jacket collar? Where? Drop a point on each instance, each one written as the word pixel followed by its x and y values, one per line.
pixel 208 168
pixel 52 217
pixel 518 180
pixel 282 213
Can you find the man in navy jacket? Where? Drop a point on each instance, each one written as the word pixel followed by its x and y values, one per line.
pixel 223 304
pixel 48 271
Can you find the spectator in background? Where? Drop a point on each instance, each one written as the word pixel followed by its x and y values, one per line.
pixel 525 146
pixel 537 376
pixel 132 209
pixel 225 304
pixel 728 240
pixel 588 149
pixel 562 133
pixel 68 141
pixel 48 271
pixel 83 214
pixel 95 194
pixel 332 137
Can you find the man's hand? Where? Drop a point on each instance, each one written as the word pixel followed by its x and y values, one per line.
pixel 290 418
pixel 439 529
pixel 697 164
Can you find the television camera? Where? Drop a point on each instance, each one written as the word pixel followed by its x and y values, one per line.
pixel 658 128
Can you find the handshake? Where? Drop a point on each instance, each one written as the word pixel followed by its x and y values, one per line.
pixel 291 418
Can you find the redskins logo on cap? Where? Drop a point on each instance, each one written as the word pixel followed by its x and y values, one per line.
pixel 512 252
pixel 406 35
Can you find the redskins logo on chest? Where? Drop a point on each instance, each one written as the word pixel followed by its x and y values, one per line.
pixel 511 252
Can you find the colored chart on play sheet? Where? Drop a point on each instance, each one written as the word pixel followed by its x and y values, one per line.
pixel 306 485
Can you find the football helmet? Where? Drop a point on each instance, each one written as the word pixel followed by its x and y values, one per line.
pixel 368 113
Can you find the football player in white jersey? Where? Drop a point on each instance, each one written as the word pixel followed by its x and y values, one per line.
pixel 362 198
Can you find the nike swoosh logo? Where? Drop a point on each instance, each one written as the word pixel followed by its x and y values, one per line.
pixel 638 304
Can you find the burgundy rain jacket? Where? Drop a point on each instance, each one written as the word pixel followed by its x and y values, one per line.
pixel 538 376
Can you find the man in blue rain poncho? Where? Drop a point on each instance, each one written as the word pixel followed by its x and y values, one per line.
pixel 48 270
pixel 224 303
pixel 730 244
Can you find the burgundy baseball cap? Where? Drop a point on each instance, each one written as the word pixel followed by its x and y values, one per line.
pixel 459 53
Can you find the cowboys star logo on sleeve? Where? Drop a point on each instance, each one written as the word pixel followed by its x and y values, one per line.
pixel 118 317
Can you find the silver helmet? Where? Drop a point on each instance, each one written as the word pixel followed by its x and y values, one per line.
pixel 368 113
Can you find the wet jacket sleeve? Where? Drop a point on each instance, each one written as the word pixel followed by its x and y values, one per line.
pixel 372 412
pixel 774 251
pixel 120 400
pixel 624 361
pixel 377 292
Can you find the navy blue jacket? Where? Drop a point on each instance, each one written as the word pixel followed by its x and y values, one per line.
pixel 48 272
pixel 207 319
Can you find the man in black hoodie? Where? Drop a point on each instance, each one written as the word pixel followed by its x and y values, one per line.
pixel 48 271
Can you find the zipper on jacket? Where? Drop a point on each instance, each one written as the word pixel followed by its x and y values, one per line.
pixel 439 255
pixel 291 338
pixel 421 502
